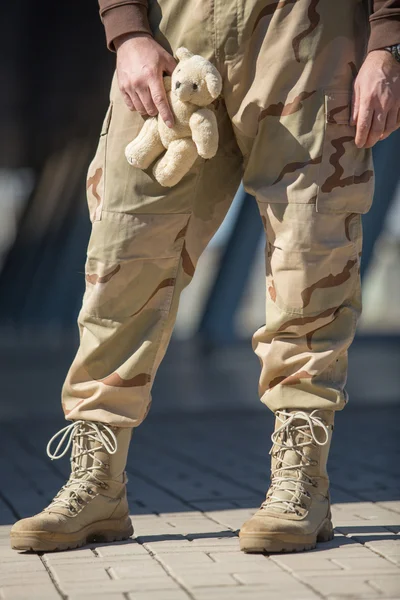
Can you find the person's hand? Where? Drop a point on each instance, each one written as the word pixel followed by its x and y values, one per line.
pixel 141 62
pixel 376 99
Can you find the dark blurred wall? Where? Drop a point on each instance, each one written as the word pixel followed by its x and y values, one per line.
pixel 55 73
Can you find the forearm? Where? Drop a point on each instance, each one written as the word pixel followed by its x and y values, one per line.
pixel 385 24
pixel 123 17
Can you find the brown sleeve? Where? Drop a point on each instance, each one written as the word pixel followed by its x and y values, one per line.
pixel 123 16
pixel 385 24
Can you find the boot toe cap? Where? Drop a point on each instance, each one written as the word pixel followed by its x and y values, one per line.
pixel 272 524
pixel 40 522
pixel 25 525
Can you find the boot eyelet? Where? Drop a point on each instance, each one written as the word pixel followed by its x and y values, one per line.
pixel 90 491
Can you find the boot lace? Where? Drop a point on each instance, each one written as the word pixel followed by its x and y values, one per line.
pixel 81 434
pixel 291 478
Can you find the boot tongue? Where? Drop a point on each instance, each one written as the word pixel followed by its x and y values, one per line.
pixel 108 463
pixel 87 457
pixel 288 491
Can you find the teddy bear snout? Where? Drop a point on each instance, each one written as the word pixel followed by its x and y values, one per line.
pixel 183 90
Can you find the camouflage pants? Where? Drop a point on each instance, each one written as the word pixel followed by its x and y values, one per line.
pixel 288 69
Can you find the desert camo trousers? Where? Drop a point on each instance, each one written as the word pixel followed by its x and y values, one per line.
pixel 288 69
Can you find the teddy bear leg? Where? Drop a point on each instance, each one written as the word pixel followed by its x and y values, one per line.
pixel 146 146
pixel 176 162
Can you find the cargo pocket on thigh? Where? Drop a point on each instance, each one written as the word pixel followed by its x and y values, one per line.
pixel 95 183
pixel 346 176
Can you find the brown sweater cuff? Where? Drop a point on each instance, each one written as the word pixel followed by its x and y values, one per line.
pixel 123 19
pixel 384 32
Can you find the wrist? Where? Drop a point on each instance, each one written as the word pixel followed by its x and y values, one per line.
pixel 385 56
pixel 121 39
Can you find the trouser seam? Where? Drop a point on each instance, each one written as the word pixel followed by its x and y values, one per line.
pixel 168 302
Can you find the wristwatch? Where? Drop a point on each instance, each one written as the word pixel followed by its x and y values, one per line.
pixel 394 51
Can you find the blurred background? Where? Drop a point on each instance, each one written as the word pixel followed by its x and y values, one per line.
pixel 55 74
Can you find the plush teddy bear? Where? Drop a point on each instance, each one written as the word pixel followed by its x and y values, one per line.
pixel 194 84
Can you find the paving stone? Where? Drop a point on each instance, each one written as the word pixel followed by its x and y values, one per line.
pixel 192 579
pixel 122 585
pixel 186 548
pixel 79 573
pixel 18 567
pixel 337 556
pixel 222 541
pixel 69 555
pixel 370 564
pixel 120 549
pixel 138 569
pixel 391 505
pixel 216 568
pixel 253 592
pixel 190 559
pixel 17 577
pixel 163 595
pixel 273 581
pixel 385 547
pixel 355 586
pixel 25 592
pixel 239 557
pixel 388 585
pixel 234 518
pixel 304 562
pixel 98 594
pixel 206 545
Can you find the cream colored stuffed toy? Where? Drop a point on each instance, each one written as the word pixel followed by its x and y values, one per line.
pixel 194 84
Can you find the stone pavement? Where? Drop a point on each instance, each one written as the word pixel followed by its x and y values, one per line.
pixel 194 478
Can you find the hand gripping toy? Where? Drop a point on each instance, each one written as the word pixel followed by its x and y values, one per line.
pixel 194 85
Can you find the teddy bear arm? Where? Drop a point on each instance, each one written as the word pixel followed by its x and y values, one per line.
pixel 204 127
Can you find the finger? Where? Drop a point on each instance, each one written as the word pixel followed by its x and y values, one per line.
pixel 354 106
pixel 138 104
pixel 147 101
pixel 377 128
pixel 160 100
pixel 127 100
pixel 364 119
pixel 170 64
pixel 391 123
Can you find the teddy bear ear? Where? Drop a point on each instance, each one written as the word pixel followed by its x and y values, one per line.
pixel 183 53
pixel 214 84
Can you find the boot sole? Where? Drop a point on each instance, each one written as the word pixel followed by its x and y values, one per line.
pixel 111 530
pixel 266 543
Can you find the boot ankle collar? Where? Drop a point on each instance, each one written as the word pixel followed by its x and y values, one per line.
pixel 311 422
pixel 99 431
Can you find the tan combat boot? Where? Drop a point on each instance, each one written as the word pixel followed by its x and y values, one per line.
pixel 92 505
pixel 296 512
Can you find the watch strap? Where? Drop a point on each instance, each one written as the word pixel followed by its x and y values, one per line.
pixel 394 51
